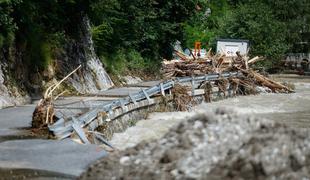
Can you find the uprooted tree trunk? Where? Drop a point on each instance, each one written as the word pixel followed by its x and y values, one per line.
pixel 44 113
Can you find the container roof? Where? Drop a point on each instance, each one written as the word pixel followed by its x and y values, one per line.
pixel 234 40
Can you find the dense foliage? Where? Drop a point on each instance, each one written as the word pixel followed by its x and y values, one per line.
pixel 142 31
pixel 146 27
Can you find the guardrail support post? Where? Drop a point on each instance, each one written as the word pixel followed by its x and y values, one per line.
pixel 193 86
pixel 229 90
pixel 122 105
pixel 146 95
pixel 133 99
pixel 173 83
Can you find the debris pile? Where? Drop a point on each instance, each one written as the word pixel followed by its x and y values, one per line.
pixel 190 66
pixel 218 63
pixel 182 101
pixel 214 145
pixel 43 114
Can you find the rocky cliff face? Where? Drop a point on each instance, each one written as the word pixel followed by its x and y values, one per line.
pixel 10 94
pixel 92 78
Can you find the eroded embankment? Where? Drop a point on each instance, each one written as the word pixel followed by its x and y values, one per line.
pixel 214 145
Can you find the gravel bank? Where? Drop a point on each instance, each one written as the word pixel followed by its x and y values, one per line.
pixel 214 145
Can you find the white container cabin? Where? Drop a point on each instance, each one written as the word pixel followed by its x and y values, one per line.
pixel 229 47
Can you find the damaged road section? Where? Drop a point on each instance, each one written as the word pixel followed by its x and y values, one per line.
pixel 214 145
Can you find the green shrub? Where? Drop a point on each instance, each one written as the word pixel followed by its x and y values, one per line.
pixel 135 60
pixel 115 63
pixel 129 61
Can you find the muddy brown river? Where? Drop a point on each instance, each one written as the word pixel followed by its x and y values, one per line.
pixel 292 109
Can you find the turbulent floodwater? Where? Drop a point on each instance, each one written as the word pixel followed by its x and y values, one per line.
pixel 292 109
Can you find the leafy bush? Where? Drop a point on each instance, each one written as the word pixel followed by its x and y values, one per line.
pixel 135 61
pixel 129 61
pixel 115 63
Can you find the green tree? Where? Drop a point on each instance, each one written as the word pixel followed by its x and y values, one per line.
pixel 206 25
pixel 261 27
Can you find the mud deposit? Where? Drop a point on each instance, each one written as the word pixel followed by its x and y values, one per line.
pixel 217 144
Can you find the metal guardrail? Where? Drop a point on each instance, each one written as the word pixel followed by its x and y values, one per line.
pixel 62 129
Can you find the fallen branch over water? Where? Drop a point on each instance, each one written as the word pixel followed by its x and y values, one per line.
pixel 266 82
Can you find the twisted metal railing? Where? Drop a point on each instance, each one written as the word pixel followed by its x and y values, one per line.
pixel 65 128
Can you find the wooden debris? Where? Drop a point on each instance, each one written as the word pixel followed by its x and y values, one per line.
pixel 219 63
pixel 181 99
pixel 43 113
pixel 234 82
pixel 181 55
pixel 207 87
pixel 222 84
pixel 266 82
